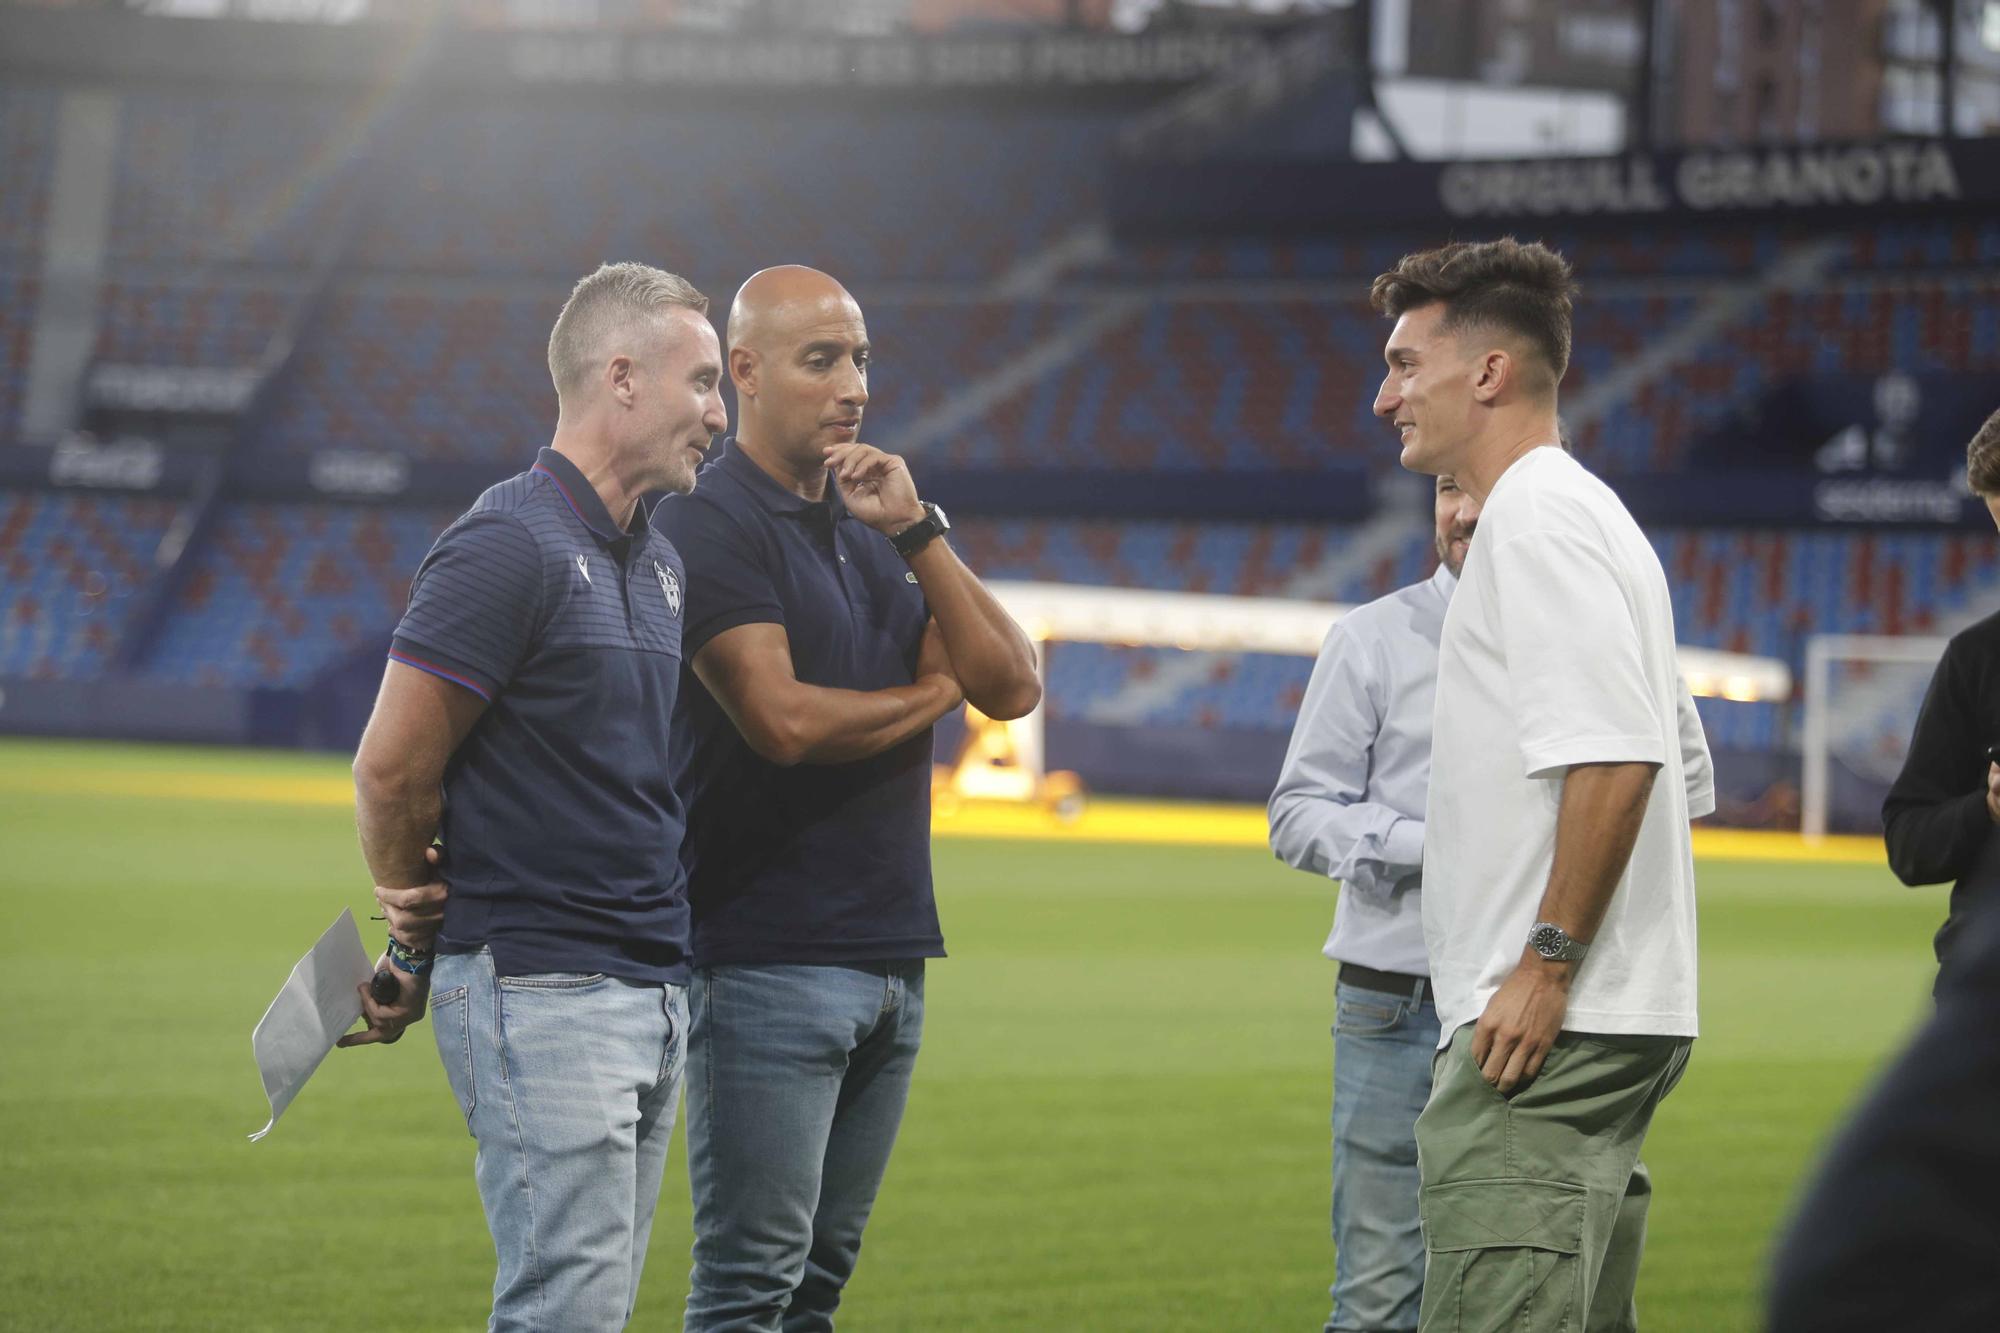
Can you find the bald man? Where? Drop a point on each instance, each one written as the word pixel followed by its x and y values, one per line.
pixel 524 720
pixel 829 625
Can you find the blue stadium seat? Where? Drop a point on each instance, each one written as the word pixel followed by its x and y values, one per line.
pixel 27 157
pixel 70 565
pixel 17 313
pixel 152 323
pixel 280 591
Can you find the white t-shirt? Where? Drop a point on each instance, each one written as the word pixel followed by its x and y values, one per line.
pixel 1558 649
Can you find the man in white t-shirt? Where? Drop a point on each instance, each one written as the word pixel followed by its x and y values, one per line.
pixel 1558 877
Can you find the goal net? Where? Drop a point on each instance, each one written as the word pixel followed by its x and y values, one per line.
pixel 1862 692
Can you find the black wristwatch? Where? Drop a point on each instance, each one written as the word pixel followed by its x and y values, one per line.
pixel 1555 944
pixel 919 534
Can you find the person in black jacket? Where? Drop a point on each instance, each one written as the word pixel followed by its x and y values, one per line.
pixel 1940 815
pixel 1899 1227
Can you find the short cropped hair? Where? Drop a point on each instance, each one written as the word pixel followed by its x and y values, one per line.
pixel 1502 285
pixel 1982 458
pixel 599 305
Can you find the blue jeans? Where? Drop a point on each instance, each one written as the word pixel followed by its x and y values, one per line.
pixel 796 1082
pixel 1382 1049
pixel 569 1083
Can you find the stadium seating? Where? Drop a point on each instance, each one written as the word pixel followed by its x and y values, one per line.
pixel 1245 690
pixel 457 185
pixel 1859 329
pixel 236 173
pixel 716 191
pixel 27 135
pixel 1767 592
pixel 1239 559
pixel 459 221
pixel 17 311
pixel 280 591
pixel 1763 593
pixel 433 374
pixel 1276 384
pixel 1625 253
pixel 1900 246
pixel 1197 385
pixel 1272 384
pixel 421 375
pixel 181 324
pixel 70 565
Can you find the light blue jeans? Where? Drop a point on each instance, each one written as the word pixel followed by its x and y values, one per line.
pixel 569 1083
pixel 1382 1049
pixel 796 1082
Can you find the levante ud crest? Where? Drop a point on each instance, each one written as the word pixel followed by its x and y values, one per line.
pixel 670 585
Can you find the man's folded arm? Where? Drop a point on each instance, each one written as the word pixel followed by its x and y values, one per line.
pixel 748 668
pixel 1320 821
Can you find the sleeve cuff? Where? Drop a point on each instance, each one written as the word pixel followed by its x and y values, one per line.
pixel 695 640
pixel 1545 761
pixel 1404 847
pixel 444 666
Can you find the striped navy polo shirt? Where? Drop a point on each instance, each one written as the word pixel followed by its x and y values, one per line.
pixel 561 824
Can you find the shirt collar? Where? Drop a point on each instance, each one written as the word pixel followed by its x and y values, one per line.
pixel 774 497
pixel 583 499
pixel 1533 455
pixel 1444 580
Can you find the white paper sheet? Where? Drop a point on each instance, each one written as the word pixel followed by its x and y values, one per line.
pixel 317 1003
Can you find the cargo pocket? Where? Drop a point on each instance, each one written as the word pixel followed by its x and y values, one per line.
pixel 452 1026
pixel 1504 1254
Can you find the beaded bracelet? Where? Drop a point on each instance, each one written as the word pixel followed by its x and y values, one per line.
pixel 417 962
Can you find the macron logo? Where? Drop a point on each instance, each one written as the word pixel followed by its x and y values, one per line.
pixel 583 567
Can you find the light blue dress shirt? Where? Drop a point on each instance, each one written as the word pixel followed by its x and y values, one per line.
pixel 1350 800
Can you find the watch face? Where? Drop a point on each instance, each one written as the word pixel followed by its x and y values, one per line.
pixel 1548 941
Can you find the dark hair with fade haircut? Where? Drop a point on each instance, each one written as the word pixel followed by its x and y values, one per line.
pixel 1982 458
pixel 1524 290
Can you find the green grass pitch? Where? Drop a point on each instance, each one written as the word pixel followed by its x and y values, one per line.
pixel 1119 1120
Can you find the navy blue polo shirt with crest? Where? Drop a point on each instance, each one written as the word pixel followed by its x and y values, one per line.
pixel 816 863
pixel 557 805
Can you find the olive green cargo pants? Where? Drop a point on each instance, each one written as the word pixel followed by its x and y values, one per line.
pixel 1534 1206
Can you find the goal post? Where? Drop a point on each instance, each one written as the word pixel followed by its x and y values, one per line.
pixel 1862 692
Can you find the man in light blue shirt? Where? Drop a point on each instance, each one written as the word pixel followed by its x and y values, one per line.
pixel 1350 806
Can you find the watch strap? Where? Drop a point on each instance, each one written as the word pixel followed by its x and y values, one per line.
pixel 919 534
pixel 1571 950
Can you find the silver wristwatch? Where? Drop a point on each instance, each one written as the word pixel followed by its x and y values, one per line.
pixel 1553 943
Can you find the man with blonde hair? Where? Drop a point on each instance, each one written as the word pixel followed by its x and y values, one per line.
pixel 524 720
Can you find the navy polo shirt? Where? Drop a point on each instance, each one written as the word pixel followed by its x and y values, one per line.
pixel 557 804
pixel 817 863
